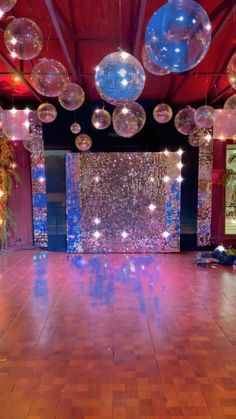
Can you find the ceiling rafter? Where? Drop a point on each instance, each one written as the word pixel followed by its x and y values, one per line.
pixel 73 24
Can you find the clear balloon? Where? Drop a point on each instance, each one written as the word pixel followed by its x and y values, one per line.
pixel 230 102
pixel 75 128
pixel 15 125
pixel 178 35
pixel 72 97
pixel 197 138
pixel 184 121
pixel 49 77
pixel 150 66
pixel 83 142
pixel 205 116
pixel 34 145
pixel 128 119
pixel 23 38
pixel 101 119
pixel 162 113
pixel 232 71
pixel 119 78
pixel 6 5
pixel 46 113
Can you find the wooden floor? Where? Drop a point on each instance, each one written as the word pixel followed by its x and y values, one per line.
pixel 116 336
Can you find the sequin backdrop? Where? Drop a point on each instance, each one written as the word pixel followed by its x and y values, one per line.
pixel 123 202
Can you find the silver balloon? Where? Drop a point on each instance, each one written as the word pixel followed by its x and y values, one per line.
pixel 75 128
pixel 128 119
pixel 101 119
pixel 184 121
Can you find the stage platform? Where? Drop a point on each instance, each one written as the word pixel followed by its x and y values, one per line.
pixel 116 336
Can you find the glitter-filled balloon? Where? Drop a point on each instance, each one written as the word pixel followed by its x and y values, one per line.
pixel 23 38
pixel 119 78
pixel 230 102
pixel 162 113
pixel 128 119
pixel 197 138
pixel 184 121
pixel 205 116
pixel 83 142
pixel 46 113
pixel 49 77
pixel 15 125
pixel 150 66
pixel 34 145
pixel 101 119
pixel 178 35
pixel 75 128
pixel 72 97
pixel 232 71
pixel 6 5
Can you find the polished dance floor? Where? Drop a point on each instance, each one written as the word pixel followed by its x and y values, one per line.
pixel 116 336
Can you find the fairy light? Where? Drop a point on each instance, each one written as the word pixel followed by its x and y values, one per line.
pixel 13 55
pixel 166 179
pixel 179 179
pixel 26 124
pixel 14 111
pixel 166 153
pixel 27 110
pixel 97 234
pixel 180 152
pixel 180 165
pixel 1 193
pixel 166 234
pixel 152 207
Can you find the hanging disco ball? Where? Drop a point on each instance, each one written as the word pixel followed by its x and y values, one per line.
pixel 101 119
pixel 72 97
pixel 49 77
pixel 197 138
pixel 46 113
pixel 6 5
pixel 184 121
pixel 231 70
pixel 178 35
pixel 34 145
pixel 119 78
pixel 83 142
pixel 162 113
pixel 150 66
pixel 205 116
pixel 23 39
pixel 75 128
pixel 128 119
pixel 230 102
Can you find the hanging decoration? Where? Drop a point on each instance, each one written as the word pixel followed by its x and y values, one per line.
pixel 72 97
pixel 6 5
pixel 101 119
pixel 150 66
pixel 178 35
pixel 230 102
pixel 197 137
pixel 184 121
pixel 128 119
pixel 205 116
pixel 75 128
pixel 119 78
pixel 46 113
pixel 49 77
pixel 231 70
pixel 162 113
pixel 83 142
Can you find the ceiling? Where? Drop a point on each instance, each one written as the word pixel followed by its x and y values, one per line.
pixel 79 33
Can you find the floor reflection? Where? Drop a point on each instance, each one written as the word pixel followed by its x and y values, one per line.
pixel 40 267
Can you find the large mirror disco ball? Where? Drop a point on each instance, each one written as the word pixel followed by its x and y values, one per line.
pixel 230 102
pixel 162 113
pixel 128 119
pixel 205 116
pixel 83 142
pixel 184 121
pixel 23 38
pixel 101 119
pixel 231 70
pixel 150 66
pixel 178 35
pixel 49 77
pixel 72 97
pixel 119 78
pixel 6 5
pixel 46 113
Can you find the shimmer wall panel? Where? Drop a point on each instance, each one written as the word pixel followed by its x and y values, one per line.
pixel 123 202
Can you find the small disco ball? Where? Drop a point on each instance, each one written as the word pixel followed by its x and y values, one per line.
pixel 184 121
pixel 150 66
pixel 197 138
pixel 231 70
pixel 49 77
pixel 83 142
pixel 205 116
pixel 6 5
pixel 178 35
pixel 33 144
pixel 75 128
pixel 46 113
pixel 230 102
pixel 128 119
pixel 72 97
pixel 23 38
pixel 101 119
pixel 162 113
pixel 119 78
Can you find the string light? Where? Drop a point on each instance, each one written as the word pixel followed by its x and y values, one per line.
pixel 166 179
pixel 14 111
pixel 124 234
pixel 97 234
pixel 180 152
pixel 166 152
pixel 165 234
pixel 27 110
pixel 152 207
pixel 97 221
pixel 1 193
pixel 180 165
pixel 179 179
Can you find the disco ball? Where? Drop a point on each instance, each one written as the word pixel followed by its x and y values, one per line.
pixel 23 38
pixel 72 97
pixel 46 113
pixel 197 138
pixel 75 128
pixel 230 102
pixel 184 121
pixel 205 116
pixel 6 5
pixel 49 77
pixel 150 66
pixel 34 145
pixel 83 142
pixel 231 70
pixel 119 78
pixel 178 35
pixel 15 125
pixel 162 113
pixel 128 119
pixel 101 119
